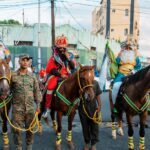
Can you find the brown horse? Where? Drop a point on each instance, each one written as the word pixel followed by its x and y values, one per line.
pixel 5 75
pixel 133 99
pixel 66 97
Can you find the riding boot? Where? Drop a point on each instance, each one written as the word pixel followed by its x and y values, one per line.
pixel 29 147
pixel 47 105
pixel 48 99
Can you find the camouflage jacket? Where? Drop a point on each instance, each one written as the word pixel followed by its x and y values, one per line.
pixel 25 90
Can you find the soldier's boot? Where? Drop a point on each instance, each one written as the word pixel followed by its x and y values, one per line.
pixel 29 147
pixel 18 147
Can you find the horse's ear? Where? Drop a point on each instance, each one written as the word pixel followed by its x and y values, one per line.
pixel 92 67
pixel 80 65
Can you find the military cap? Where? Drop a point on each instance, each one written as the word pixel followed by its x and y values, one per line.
pixel 24 56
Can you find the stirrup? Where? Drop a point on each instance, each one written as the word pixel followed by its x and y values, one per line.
pixel 45 114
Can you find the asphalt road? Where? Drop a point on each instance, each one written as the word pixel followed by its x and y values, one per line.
pixel 46 141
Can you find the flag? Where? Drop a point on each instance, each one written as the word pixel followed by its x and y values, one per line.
pixel 109 68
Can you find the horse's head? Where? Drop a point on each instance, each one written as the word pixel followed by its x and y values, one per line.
pixel 85 80
pixel 5 75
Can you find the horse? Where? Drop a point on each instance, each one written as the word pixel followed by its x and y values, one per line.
pixel 133 99
pixel 66 98
pixel 5 97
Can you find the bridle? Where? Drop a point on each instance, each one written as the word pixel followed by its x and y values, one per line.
pixel 79 82
pixel 8 79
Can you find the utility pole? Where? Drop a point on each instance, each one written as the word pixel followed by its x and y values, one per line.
pixel 132 17
pixel 52 22
pixel 39 43
pixel 23 17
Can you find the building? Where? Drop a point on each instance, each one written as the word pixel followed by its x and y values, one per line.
pixel 117 19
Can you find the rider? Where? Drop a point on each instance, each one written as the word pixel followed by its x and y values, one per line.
pixel 58 67
pixel 128 62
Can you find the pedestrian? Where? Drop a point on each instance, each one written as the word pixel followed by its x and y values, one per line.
pixel 89 127
pixel 25 91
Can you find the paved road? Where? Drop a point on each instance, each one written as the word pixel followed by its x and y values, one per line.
pixel 47 140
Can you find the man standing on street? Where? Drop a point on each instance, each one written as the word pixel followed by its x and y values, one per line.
pixel 25 90
pixel 89 127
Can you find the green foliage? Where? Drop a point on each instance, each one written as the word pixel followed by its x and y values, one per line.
pixel 10 21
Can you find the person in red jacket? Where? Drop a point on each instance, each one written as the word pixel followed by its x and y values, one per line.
pixel 59 67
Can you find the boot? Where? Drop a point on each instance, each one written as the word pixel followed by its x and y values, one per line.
pixel 45 113
pixel 93 147
pixel 29 147
pixel 48 100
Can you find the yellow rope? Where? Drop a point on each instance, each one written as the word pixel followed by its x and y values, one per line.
pixel 35 122
pixel 96 119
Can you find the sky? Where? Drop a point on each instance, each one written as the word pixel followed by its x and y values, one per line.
pixel 74 12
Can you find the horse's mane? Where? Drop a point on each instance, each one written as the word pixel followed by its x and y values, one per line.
pixel 84 68
pixel 138 75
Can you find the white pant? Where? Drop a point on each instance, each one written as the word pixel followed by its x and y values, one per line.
pixel 115 90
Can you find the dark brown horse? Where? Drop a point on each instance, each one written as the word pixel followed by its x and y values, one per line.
pixel 5 76
pixel 133 99
pixel 66 98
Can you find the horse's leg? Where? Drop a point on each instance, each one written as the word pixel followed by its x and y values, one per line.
pixel 52 114
pixel 69 133
pixel 4 129
pixel 143 117
pixel 130 132
pixel 120 126
pixel 112 115
pixel 59 139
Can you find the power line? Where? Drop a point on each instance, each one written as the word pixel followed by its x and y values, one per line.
pixel 101 6
pixel 22 4
pixel 73 16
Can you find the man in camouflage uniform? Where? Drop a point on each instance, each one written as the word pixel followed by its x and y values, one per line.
pixel 25 90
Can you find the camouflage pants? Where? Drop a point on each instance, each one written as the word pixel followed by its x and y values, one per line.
pixel 22 120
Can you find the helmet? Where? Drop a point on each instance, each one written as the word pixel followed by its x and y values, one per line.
pixel 61 41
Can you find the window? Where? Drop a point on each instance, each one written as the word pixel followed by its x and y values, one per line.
pixel 126 31
pixel 112 30
pixel 126 12
pixel 29 43
pixel 72 46
pixel 113 10
pixel 93 48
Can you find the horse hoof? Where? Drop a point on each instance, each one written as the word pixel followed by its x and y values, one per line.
pixel 58 147
pixel 120 132
pixel 71 145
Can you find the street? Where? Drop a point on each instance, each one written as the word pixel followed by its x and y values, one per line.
pixel 46 141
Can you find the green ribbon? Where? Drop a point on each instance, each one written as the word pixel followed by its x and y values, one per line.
pixel 130 102
pixel 66 101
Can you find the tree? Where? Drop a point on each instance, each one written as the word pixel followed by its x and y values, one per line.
pixel 10 21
